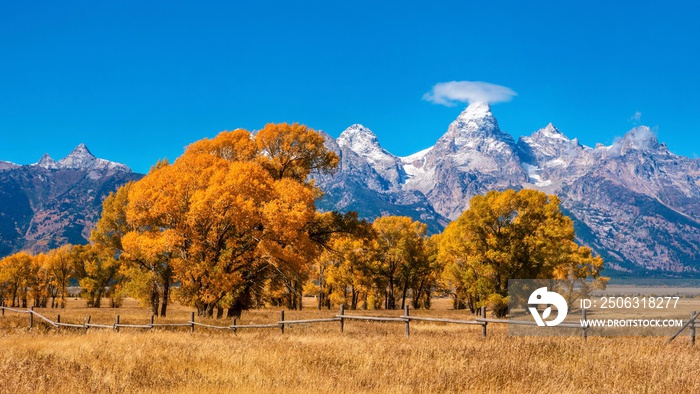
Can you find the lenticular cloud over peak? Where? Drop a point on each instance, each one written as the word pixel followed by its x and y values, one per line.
pixel 449 93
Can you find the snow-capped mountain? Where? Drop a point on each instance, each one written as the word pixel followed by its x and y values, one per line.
pixel 550 158
pixel 50 203
pixel 472 157
pixel 634 202
pixel 364 142
pixel 368 181
pixel 80 159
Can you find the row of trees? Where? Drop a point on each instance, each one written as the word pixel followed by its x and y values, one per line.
pixel 35 280
pixel 232 224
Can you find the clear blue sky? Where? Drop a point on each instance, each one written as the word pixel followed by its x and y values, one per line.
pixel 137 81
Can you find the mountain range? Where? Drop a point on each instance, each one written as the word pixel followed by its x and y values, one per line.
pixel 51 203
pixel 634 202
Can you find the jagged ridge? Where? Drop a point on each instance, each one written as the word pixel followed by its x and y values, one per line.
pixel 635 202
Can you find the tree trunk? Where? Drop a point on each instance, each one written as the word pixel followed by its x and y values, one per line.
pixel 391 301
pixel 403 294
pixel 154 298
pixel 300 291
pixel 328 297
pixel 353 298
pixel 166 297
pixel 458 303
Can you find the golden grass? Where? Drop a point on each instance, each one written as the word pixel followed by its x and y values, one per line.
pixel 367 357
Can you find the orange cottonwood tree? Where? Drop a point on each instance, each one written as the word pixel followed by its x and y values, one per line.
pixel 232 213
pixel 138 244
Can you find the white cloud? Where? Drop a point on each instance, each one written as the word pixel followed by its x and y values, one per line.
pixel 449 93
pixel 636 117
pixel 641 138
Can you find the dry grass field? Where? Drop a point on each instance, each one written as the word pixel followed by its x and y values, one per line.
pixel 367 357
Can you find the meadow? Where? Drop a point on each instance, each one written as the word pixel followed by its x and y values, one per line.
pixel 366 357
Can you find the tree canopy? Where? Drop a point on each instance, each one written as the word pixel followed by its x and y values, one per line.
pixel 511 235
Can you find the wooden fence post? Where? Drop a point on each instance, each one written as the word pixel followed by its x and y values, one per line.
pixel 585 325
pixel 408 321
pixel 3 310
pixel 281 322
pixel 483 326
pixel 692 330
pixel 31 316
pixel 58 318
pixel 192 322
pixel 342 312
pixel 234 325
pixel 153 320
pixel 87 323
pixel 116 324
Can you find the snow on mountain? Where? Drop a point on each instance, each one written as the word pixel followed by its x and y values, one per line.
pixel 47 162
pixel 634 202
pixel 366 182
pixel 49 203
pixel 550 157
pixel 473 156
pixel 81 158
pixel 414 165
pixel 364 142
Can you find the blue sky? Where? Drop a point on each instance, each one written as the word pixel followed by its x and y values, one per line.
pixel 137 81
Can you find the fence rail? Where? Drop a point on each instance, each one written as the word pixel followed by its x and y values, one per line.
pixel 406 318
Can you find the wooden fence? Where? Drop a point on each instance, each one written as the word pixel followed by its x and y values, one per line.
pixel 406 318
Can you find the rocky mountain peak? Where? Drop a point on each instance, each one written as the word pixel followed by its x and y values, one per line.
pixel 476 118
pixel 475 129
pixel 79 158
pixel 81 150
pixel 549 132
pixel 359 139
pixel 476 110
pixel 640 138
pixel 82 159
pixel 362 141
pixel 47 162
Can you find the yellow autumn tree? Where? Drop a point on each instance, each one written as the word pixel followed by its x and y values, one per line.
pixel 41 284
pixel 349 271
pixel 17 276
pixel 425 276
pixel 293 151
pixel 401 255
pixel 232 215
pixel 59 267
pixel 510 235
pixel 97 271
pixel 326 230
